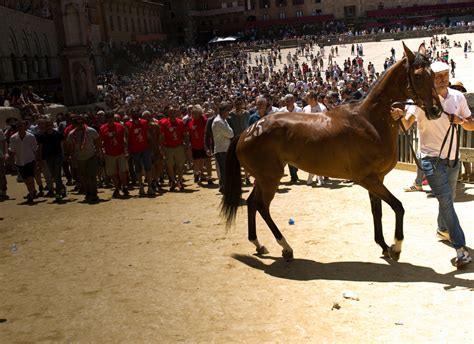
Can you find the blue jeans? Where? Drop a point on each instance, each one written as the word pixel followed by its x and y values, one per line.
pixel 442 180
pixel 55 164
pixel 419 173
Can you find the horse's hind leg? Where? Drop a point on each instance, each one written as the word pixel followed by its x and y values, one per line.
pixel 375 186
pixel 252 227
pixel 376 204
pixel 267 192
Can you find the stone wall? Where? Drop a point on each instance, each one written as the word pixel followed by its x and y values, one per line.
pixel 29 49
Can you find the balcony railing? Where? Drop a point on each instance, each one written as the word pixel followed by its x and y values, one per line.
pixel 217 11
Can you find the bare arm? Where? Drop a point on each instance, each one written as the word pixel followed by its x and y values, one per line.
pixel 399 114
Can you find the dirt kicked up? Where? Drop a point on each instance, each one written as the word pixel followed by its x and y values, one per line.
pixel 165 270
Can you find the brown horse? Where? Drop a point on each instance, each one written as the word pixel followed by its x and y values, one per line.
pixel 356 141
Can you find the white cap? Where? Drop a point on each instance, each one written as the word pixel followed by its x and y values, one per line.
pixel 439 66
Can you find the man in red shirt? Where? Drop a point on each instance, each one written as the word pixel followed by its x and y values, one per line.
pixel 173 131
pixel 196 127
pixel 114 144
pixel 139 148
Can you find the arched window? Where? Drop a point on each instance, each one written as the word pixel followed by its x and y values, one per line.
pixel 13 61
pixel 24 66
pixel 48 67
pixel 36 64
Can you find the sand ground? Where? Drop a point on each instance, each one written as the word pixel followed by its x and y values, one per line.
pixel 165 270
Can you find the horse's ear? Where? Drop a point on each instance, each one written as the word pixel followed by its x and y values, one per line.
pixel 408 53
pixel 422 49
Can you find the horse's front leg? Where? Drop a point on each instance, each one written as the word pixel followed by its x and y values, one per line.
pixel 376 188
pixel 376 204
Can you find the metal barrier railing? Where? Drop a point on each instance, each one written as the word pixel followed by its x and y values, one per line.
pixel 404 152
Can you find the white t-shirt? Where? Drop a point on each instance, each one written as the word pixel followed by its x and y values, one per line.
pixel 315 109
pixel 24 149
pixel 296 109
pixel 432 132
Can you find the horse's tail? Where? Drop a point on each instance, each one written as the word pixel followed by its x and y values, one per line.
pixel 232 184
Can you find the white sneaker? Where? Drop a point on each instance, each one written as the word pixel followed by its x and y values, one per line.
pixel 463 258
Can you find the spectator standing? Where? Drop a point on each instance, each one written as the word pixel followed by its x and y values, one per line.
pixel 51 152
pixel 139 148
pixel 290 106
pixel 196 128
pixel 23 147
pixel 314 107
pixel 238 120
pixel 84 147
pixel 222 134
pixel 114 144
pixel 173 131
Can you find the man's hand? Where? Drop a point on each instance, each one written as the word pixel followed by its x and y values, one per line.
pixel 397 113
pixel 455 119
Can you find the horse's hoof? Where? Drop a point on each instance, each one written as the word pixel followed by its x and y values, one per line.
pixel 262 250
pixel 386 254
pixel 288 255
pixel 395 255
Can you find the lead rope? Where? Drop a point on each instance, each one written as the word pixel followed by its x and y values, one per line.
pixel 453 129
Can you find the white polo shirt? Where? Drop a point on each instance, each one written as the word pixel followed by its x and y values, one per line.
pixel 315 109
pixel 432 132
pixel 24 149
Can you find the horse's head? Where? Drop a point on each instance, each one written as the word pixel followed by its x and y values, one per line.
pixel 421 86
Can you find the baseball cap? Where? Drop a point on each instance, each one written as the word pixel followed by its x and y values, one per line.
pixel 439 66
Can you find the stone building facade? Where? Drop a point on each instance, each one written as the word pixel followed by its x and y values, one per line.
pixel 186 20
pixel 30 48
pixel 125 21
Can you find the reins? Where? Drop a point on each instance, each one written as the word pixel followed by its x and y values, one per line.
pixel 453 130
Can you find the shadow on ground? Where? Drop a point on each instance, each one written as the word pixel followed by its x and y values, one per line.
pixel 307 270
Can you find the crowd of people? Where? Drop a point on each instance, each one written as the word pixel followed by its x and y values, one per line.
pixel 178 114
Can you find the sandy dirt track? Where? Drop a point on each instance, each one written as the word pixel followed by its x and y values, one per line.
pixel 136 271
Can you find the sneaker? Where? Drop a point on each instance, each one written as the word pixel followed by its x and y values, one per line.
pixel 125 191
pixel 173 186
pixel 50 194
pixel 443 235
pixel 463 258
pixel 116 194
pixel 413 188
